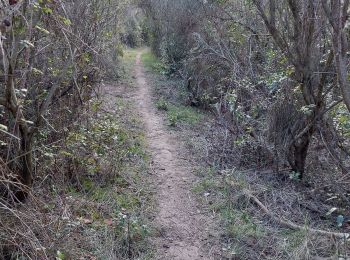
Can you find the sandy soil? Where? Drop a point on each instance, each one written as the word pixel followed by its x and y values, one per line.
pixel 183 230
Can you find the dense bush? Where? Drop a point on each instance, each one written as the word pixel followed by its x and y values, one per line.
pixel 51 62
pixel 272 70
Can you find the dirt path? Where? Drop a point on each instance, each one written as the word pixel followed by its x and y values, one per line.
pixel 182 226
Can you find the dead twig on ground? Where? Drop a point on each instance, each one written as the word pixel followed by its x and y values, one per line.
pixel 288 223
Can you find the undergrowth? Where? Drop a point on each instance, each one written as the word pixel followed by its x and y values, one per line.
pixel 246 231
pixel 111 152
pixel 173 103
pixel 183 114
pixel 153 64
pixel 91 199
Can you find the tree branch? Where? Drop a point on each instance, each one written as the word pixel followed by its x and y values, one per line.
pixel 290 224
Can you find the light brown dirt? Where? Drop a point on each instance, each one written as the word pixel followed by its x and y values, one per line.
pixel 183 229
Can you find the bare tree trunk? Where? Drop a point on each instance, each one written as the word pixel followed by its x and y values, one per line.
pixel 337 14
pixel 299 48
pixel 298 152
pixel 25 177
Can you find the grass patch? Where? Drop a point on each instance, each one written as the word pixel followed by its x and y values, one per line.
pixel 128 64
pixel 209 182
pixel 129 55
pixel 240 224
pixel 204 186
pixel 162 104
pixel 246 230
pixel 177 114
pixel 170 91
pixel 183 114
pixel 153 63
pixel 294 238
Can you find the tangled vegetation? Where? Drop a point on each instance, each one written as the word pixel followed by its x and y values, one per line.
pixel 272 76
pixel 275 74
pixel 69 171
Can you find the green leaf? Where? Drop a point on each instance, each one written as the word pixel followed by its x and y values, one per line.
pixel 331 211
pixel 60 255
pixel 37 71
pixel 3 127
pixel 28 43
pixel 47 10
pixel 66 21
pixel 42 29
pixel 28 122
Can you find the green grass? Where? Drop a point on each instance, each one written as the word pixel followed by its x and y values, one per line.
pixel 295 238
pixel 153 63
pixel 128 64
pixel 183 114
pixel 175 112
pixel 162 104
pixel 240 224
pixel 179 114
pixel 129 55
pixel 205 185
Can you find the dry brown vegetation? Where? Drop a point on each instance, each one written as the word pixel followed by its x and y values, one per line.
pixel 69 164
pixel 277 154
pixel 259 90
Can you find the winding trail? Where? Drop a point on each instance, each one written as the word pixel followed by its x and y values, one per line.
pixel 183 229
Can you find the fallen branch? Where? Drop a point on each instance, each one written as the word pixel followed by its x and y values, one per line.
pixel 288 223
